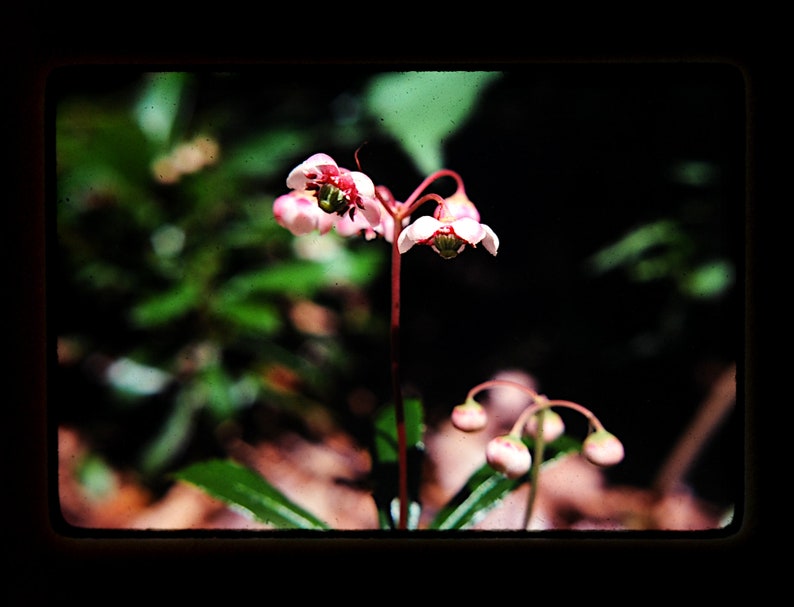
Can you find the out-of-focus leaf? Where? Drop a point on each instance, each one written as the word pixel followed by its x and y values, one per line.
pixel 249 493
pixel 265 155
pixel 177 430
pixel 486 489
pixel 423 109
pixel 256 317
pixel 305 278
pixel 95 476
pixel 159 104
pixel 219 391
pixel 167 306
pixel 708 280
pixel 386 462
pixel 386 430
pixel 292 277
pixel 633 246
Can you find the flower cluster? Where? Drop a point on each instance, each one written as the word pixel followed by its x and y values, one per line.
pixel 325 196
pixel 509 454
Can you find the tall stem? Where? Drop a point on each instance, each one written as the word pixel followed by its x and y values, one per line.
pixel 534 473
pixel 399 408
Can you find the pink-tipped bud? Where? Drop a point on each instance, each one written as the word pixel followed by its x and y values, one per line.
pixel 469 417
pixel 603 448
pixel 509 455
pixel 553 426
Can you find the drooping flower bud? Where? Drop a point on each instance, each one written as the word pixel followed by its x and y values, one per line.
pixel 603 448
pixel 469 417
pixel 509 455
pixel 553 426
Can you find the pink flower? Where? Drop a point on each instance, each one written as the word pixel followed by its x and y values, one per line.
pixel 469 417
pixel 553 426
pixel 335 189
pixel 455 224
pixel 603 448
pixel 299 213
pixel 509 455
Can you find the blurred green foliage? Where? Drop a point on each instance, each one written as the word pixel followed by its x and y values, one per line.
pixel 172 268
pixel 165 229
pixel 663 250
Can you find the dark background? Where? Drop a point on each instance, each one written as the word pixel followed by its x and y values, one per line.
pixel 562 160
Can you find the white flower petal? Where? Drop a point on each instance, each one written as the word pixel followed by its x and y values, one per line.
pixel 424 228
pixel 297 180
pixel 370 209
pixel 363 183
pixel 469 230
pixel 405 242
pixel 491 240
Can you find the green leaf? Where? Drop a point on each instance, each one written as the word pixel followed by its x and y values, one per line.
pixel 386 462
pixel 167 306
pixel 632 247
pixel 423 109
pixel 294 277
pixel 386 429
pixel 265 155
pixel 256 317
pixel 158 106
pixel 219 390
pixel 486 489
pixel 305 278
pixel 708 280
pixel 176 432
pixel 248 492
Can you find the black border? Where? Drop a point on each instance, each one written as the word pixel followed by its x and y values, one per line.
pixel 39 547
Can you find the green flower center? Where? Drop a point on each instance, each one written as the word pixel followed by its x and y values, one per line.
pixel 331 199
pixel 448 245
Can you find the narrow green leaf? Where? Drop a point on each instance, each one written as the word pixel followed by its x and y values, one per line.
pixel 219 390
pixel 486 489
pixel 248 492
pixel 293 277
pixel 175 432
pixel 257 317
pixel 635 244
pixel 167 306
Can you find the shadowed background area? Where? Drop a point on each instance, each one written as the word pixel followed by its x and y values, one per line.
pixel 185 319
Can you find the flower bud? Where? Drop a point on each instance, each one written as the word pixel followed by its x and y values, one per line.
pixel 603 448
pixel 553 426
pixel 509 455
pixel 470 416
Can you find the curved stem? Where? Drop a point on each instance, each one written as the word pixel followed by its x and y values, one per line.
pixel 406 209
pixel 430 179
pixel 543 403
pixel 495 383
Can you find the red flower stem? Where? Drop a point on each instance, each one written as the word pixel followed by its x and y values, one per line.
pixel 428 180
pixel 399 213
pixel 399 408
